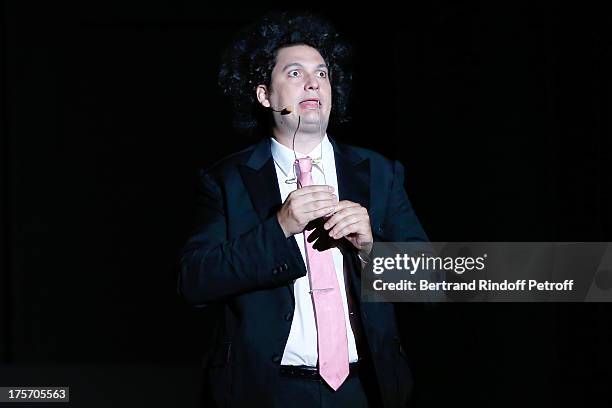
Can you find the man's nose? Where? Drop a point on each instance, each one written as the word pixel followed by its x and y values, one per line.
pixel 311 83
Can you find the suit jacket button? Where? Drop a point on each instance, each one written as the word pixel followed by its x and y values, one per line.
pixel 285 266
pixel 276 358
pixel 288 316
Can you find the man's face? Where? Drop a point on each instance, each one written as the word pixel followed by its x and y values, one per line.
pixel 300 79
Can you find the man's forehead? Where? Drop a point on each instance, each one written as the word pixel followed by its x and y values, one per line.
pixel 300 55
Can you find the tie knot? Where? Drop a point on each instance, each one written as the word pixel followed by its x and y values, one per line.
pixel 305 164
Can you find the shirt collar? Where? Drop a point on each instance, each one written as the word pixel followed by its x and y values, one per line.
pixel 284 156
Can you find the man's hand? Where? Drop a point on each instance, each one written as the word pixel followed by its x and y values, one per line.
pixel 304 205
pixel 351 221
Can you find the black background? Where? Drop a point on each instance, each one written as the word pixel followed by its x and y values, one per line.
pixel 500 113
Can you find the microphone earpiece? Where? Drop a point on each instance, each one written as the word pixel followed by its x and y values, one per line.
pixel 285 111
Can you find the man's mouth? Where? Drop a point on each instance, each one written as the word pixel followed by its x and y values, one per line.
pixel 311 103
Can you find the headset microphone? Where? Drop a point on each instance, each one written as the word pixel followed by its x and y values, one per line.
pixel 285 111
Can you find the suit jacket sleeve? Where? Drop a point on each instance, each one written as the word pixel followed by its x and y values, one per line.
pixel 214 267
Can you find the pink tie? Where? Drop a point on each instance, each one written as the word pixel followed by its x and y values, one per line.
pixel 329 314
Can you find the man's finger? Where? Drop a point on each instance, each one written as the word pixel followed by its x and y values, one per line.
pixel 351 219
pixel 301 200
pixel 347 204
pixel 318 196
pixel 356 227
pixel 322 212
pixel 341 214
pixel 315 188
pixel 318 204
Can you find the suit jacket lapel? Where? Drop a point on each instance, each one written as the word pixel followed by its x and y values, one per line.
pixel 259 177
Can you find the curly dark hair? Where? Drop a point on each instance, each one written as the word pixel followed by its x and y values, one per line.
pixel 249 61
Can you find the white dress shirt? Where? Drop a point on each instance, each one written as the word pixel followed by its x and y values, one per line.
pixel 301 347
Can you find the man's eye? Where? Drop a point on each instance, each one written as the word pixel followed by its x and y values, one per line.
pixel 295 73
pixel 322 74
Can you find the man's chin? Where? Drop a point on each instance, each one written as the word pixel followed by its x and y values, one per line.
pixel 313 127
pixel 312 117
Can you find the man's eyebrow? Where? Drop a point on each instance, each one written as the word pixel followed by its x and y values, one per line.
pixel 297 64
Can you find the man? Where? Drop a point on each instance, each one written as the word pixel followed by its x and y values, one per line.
pixel 284 230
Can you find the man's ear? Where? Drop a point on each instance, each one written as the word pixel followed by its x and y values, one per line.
pixel 262 95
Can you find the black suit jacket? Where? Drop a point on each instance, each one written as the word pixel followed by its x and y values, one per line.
pixel 239 263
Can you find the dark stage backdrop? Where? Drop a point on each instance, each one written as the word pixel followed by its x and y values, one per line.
pixel 500 113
